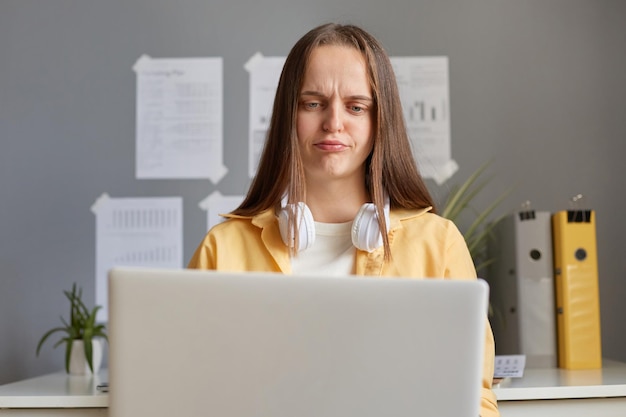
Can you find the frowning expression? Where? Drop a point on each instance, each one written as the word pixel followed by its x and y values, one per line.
pixel 335 111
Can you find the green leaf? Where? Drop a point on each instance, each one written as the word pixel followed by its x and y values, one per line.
pixel 480 230
pixel 68 355
pixel 458 199
pixel 88 351
pixel 482 217
pixel 46 335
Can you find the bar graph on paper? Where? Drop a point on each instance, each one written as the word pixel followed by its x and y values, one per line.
pixel 138 232
pixel 423 83
pixel 423 111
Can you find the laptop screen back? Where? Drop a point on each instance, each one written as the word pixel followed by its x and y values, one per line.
pixel 205 343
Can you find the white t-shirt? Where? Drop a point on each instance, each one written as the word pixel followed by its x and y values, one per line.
pixel 332 254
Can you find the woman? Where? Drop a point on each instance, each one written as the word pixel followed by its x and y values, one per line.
pixel 337 189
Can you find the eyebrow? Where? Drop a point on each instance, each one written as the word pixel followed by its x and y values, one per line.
pixel 353 97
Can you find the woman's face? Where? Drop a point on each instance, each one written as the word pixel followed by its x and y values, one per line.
pixel 335 111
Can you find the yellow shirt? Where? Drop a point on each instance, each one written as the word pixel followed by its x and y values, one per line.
pixel 423 245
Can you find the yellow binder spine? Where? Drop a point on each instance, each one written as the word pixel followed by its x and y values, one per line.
pixel 577 289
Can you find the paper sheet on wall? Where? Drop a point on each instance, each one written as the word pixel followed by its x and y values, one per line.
pixel 143 232
pixel 216 204
pixel 179 119
pixel 264 75
pixel 424 91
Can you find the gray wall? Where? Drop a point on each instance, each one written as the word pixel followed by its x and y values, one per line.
pixel 538 86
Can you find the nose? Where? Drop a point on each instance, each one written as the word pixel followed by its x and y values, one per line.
pixel 333 120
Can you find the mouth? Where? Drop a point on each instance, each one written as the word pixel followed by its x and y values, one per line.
pixel 330 145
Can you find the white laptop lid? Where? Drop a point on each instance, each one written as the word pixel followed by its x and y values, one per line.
pixel 205 343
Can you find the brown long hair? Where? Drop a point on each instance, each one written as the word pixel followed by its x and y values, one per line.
pixel 390 168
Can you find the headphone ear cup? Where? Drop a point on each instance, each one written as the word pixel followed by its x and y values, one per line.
pixel 306 226
pixel 365 230
pixel 366 233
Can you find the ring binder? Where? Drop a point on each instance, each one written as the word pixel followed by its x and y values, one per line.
pixel 576 287
pixel 523 288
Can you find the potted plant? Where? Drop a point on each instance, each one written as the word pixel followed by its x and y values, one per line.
pixel 81 330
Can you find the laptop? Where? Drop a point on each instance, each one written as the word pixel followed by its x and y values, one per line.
pixel 206 343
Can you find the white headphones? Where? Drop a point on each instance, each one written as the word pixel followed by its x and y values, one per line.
pixel 366 233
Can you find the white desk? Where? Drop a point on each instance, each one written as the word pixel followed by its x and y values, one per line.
pixel 55 394
pixel 541 392
pixel 558 392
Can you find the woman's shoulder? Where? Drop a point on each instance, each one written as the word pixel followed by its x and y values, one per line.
pixel 422 215
pixel 235 221
pixel 423 221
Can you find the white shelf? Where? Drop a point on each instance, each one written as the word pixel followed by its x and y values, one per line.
pixel 555 383
pixel 57 390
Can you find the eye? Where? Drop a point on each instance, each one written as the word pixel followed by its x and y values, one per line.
pixel 310 105
pixel 358 108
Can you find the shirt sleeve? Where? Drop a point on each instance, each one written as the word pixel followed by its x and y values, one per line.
pixel 203 256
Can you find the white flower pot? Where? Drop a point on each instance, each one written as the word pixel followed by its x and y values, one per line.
pixel 78 362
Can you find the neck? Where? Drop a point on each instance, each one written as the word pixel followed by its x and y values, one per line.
pixel 335 202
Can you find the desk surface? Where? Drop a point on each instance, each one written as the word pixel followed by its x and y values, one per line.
pixel 555 383
pixel 58 390
pixel 66 391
